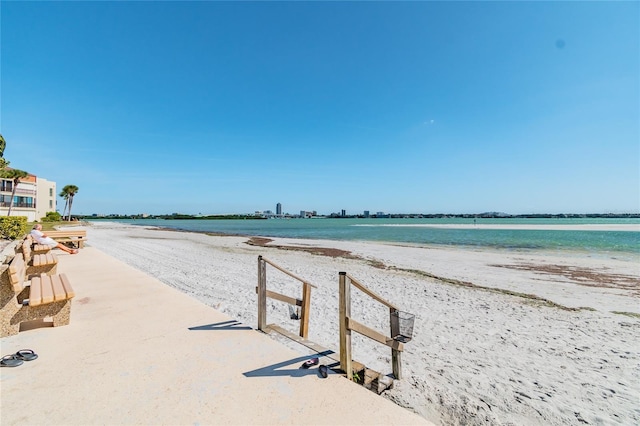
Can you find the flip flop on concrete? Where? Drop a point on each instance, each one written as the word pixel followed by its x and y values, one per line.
pixel 310 363
pixel 10 361
pixel 26 355
pixel 324 371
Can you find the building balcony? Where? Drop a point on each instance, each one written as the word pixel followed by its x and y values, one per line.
pixel 18 205
pixel 19 191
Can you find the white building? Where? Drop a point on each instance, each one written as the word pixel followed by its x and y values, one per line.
pixel 33 198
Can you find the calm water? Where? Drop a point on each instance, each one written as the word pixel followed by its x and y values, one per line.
pixel 409 231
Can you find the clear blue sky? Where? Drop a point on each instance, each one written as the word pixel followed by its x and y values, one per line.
pixel 421 107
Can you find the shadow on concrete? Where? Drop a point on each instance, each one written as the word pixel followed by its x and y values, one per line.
pixel 223 326
pixel 291 367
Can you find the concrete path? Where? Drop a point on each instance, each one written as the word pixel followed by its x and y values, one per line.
pixel 140 352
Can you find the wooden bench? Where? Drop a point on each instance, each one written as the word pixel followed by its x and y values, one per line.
pixel 44 296
pixel 75 237
pixel 39 263
pixel 35 247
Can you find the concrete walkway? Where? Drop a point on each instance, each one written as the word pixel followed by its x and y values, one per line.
pixel 140 352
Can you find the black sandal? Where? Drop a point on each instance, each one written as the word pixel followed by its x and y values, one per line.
pixel 310 363
pixel 324 371
pixel 10 361
pixel 26 355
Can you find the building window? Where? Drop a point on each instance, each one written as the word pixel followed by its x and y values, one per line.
pixel 50 192
pixel 7 186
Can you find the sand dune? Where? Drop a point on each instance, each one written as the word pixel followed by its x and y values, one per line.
pixel 480 354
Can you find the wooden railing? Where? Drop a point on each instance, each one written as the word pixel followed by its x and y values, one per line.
pixel 304 303
pixel 348 324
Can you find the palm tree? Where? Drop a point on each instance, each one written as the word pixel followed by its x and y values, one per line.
pixel 3 145
pixel 3 163
pixel 68 192
pixel 8 173
pixel 66 200
pixel 15 175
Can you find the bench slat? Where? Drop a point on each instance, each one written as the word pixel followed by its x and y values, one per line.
pixel 76 237
pixel 79 233
pixel 67 286
pixel 46 289
pixel 35 294
pixel 44 259
pixel 41 247
pixel 17 269
pixel 17 281
pixel 58 289
pixel 26 249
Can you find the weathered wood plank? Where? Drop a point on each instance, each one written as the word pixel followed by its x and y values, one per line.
pixel 304 342
pixel 67 286
pixel 344 300
pixel 374 334
pixel 59 292
pixel 262 294
pixel 35 293
pixel 306 310
pixel 370 293
pixel 46 289
pixel 287 272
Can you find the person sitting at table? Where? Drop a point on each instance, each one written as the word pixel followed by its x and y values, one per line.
pixel 41 238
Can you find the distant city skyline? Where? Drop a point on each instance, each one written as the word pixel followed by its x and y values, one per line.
pixel 367 214
pixel 417 107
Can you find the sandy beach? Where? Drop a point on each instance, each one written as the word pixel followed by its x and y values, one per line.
pixel 500 337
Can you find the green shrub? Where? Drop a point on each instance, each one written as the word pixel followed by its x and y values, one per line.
pixel 12 227
pixel 52 217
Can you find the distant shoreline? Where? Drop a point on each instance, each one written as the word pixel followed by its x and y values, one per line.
pixel 521 227
pixel 267 215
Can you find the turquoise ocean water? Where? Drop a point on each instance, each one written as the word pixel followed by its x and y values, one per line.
pixel 410 231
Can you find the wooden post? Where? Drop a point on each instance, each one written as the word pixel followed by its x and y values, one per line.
pixel 396 355
pixel 345 333
pixel 262 294
pixel 306 305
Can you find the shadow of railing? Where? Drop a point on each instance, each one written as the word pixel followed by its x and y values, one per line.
pixel 280 369
pixel 222 326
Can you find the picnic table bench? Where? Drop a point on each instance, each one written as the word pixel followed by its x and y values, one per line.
pixel 24 299
pixel 76 237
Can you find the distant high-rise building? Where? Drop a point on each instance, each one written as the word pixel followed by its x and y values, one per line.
pixel 344 213
pixel 366 213
pixel 279 209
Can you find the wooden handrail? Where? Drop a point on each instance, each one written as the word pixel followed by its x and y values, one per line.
pixel 373 334
pixel 288 273
pixel 347 324
pixel 282 297
pixel 371 293
pixel 263 294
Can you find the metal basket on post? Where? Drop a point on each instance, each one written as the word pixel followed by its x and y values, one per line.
pixel 402 326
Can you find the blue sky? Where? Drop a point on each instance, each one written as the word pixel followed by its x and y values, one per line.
pixel 412 107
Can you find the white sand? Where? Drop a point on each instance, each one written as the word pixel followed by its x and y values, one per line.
pixel 477 356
